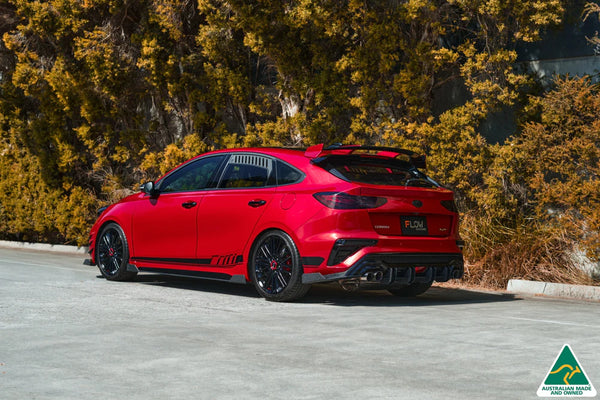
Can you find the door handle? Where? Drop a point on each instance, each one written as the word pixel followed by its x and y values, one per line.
pixel 189 204
pixel 256 203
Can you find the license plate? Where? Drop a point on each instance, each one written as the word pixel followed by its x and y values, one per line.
pixel 414 226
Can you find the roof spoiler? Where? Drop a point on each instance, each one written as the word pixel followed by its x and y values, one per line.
pixel 417 160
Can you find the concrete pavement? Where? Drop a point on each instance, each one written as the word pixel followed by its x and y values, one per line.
pixel 66 333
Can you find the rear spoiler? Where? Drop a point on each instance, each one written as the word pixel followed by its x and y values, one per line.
pixel 318 150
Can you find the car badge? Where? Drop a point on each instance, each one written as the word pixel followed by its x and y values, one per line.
pixel 417 203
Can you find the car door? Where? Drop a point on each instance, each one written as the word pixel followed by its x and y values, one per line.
pixel 165 225
pixel 228 215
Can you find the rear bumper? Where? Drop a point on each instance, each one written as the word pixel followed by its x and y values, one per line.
pixel 397 268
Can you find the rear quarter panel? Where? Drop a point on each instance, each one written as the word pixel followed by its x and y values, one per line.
pixel 293 210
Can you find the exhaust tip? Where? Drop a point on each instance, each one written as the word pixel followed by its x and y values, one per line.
pixel 372 277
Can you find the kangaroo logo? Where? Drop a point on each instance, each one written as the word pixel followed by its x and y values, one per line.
pixel 566 378
pixel 571 371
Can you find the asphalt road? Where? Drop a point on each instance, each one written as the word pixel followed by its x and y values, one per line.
pixel 66 333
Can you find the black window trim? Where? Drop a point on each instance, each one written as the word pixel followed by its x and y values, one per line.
pixel 221 170
pixel 274 159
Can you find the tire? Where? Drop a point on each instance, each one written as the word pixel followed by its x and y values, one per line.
pixel 275 268
pixel 411 290
pixel 112 253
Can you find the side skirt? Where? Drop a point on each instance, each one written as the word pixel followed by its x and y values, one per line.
pixel 215 276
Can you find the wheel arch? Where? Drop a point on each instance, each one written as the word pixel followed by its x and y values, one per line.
pixel 255 239
pixel 118 252
pixel 99 229
pixel 284 281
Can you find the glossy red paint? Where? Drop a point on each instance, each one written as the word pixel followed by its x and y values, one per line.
pixel 212 229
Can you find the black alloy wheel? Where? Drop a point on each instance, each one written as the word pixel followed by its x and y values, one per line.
pixel 275 267
pixel 112 253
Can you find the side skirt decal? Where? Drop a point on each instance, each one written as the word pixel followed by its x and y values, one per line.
pixel 196 261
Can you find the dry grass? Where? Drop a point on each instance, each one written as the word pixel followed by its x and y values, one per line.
pixel 495 254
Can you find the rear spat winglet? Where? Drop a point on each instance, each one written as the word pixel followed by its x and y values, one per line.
pixel 314 151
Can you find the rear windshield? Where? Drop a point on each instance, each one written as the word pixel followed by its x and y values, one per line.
pixel 375 171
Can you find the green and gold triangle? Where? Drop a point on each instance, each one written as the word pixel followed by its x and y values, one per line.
pixel 566 370
pixel 568 375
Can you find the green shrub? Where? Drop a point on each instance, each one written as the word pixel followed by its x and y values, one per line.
pixel 540 201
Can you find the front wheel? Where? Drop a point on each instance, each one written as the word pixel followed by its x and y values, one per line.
pixel 112 253
pixel 411 290
pixel 275 267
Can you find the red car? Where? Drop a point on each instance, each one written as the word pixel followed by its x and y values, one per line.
pixel 284 219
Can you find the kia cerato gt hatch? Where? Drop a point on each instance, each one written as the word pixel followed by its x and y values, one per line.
pixel 284 219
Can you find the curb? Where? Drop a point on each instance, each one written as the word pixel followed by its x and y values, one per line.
pixel 58 248
pixel 580 292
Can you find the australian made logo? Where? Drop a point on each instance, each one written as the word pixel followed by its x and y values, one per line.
pixel 566 378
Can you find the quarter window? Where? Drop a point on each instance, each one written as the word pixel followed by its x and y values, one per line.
pixel 286 174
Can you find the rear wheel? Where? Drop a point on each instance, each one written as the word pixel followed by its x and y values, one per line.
pixel 112 253
pixel 411 290
pixel 275 267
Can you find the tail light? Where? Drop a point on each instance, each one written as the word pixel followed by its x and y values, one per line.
pixel 449 205
pixel 345 201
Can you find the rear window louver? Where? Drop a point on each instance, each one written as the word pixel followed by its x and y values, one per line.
pixel 256 161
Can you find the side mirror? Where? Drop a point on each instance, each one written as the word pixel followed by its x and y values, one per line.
pixel 149 189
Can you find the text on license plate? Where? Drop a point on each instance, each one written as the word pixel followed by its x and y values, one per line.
pixel 413 225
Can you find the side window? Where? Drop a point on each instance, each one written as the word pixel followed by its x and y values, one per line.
pixel 246 171
pixel 197 175
pixel 287 174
